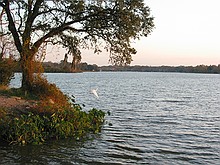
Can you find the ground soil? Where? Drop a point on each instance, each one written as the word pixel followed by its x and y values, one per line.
pixel 15 103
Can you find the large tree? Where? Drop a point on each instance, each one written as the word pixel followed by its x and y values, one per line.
pixel 110 24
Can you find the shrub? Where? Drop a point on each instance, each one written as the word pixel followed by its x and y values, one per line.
pixel 36 128
pixel 47 91
pixel 54 117
pixel 6 71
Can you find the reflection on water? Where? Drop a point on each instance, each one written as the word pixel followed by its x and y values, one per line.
pixel 158 118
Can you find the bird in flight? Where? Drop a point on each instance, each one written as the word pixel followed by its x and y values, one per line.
pixel 94 91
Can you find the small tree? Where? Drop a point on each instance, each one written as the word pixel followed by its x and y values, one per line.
pixel 94 23
pixel 7 54
pixel 7 67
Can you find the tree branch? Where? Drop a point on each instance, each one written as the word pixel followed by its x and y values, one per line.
pixel 31 17
pixel 12 27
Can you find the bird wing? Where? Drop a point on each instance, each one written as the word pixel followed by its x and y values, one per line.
pixel 95 93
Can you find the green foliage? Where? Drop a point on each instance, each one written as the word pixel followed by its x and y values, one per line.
pixel 35 128
pixel 25 129
pixel 6 71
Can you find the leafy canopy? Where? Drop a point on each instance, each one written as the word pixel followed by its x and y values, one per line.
pixel 96 24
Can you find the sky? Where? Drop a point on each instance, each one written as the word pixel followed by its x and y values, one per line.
pixel 187 32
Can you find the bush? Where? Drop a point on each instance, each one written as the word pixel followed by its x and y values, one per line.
pixel 52 117
pixel 35 128
pixel 45 90
pixel 6 71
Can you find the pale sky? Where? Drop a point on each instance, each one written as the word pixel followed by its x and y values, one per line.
pixel 187 33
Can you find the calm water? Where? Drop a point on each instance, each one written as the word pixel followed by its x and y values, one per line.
pixel 158 118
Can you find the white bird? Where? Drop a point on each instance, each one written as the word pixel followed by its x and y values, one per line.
pixel 94 91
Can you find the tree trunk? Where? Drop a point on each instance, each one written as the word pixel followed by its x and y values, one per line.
pixel 1 56
pixel 27 70
pixel 73 65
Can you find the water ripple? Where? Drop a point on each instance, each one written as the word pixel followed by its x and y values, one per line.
pixel 157 118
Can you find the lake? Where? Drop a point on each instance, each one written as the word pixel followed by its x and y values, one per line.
pixel 157 118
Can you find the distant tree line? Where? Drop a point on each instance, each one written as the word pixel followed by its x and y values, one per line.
pixel 182 69
pixel 53 67
pixel 65 67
